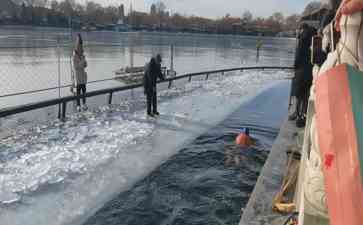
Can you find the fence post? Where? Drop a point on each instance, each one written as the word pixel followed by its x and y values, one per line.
pixel 64 110
pixel 169 86
pixel 190 78
pixel 59 111
pixel 110 98
pixel 132 94
pixel 59 78
pixel 207 76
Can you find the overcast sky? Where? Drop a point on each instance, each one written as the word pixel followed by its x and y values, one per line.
pixel 217 8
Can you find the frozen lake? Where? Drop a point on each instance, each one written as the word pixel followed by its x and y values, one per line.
pixel 30 59
pixel 62 173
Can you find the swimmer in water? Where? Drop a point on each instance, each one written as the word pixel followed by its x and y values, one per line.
pixel 244 139
pixel 233 156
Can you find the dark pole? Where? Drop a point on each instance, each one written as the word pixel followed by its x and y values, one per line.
pixel 335 4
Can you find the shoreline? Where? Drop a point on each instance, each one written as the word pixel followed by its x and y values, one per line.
pixel 172 33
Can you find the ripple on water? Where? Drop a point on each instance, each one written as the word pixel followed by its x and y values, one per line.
pixel 208 182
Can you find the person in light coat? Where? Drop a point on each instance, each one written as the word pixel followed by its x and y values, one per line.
pixel 79 65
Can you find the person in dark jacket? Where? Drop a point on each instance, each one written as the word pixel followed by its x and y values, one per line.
pixel 303 74
pixel 152 72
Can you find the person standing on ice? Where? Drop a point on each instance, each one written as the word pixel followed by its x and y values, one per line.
pixel 79 65
pixel 152 72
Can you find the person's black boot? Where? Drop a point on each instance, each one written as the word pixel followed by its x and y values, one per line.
pixel 300 122
pixel 156 113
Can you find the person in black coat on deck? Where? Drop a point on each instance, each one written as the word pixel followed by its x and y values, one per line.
pixel 303 74
pixel 152 72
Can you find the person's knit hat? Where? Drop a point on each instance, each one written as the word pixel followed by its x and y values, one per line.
pixel 158 58
pixel 79 45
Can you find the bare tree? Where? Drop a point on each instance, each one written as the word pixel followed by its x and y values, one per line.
pixel 311 7
pixel 292 22
pixel 153 9
pixel 160 7
pixel 121 11
pixel 79 10
pixel 33 3
pixel 247 16
pixel 67 7
pixel 93 11
pixel 41 3
pixel 62 12
pixel 54 5
pixel 278 17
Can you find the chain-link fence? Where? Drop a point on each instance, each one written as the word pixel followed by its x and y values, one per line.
pixel 32 60
pixel 36 64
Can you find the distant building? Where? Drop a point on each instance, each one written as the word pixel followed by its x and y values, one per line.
pixel 238 27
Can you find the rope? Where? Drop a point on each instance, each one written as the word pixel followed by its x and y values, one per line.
pixel 343 46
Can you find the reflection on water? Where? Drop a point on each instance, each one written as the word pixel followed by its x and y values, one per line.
pixel 233 156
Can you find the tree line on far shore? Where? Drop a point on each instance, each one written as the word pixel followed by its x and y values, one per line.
pixel 68 13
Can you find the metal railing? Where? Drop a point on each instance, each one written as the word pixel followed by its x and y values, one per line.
pixel 62 102
pixel 50 88
pixel 164 69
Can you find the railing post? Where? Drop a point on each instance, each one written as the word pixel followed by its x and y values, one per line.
pixel 59 111
pixel 190 78
pixel 64 110
pixel 169 86
pixel 207 76
pixel 132 93
pixel 110 98
pixel 223 73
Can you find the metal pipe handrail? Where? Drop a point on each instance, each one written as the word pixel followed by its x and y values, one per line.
pixel 64 100
pixel 176 78
pixel 51 88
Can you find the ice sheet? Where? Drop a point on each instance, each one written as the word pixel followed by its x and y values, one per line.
pixel 61 173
